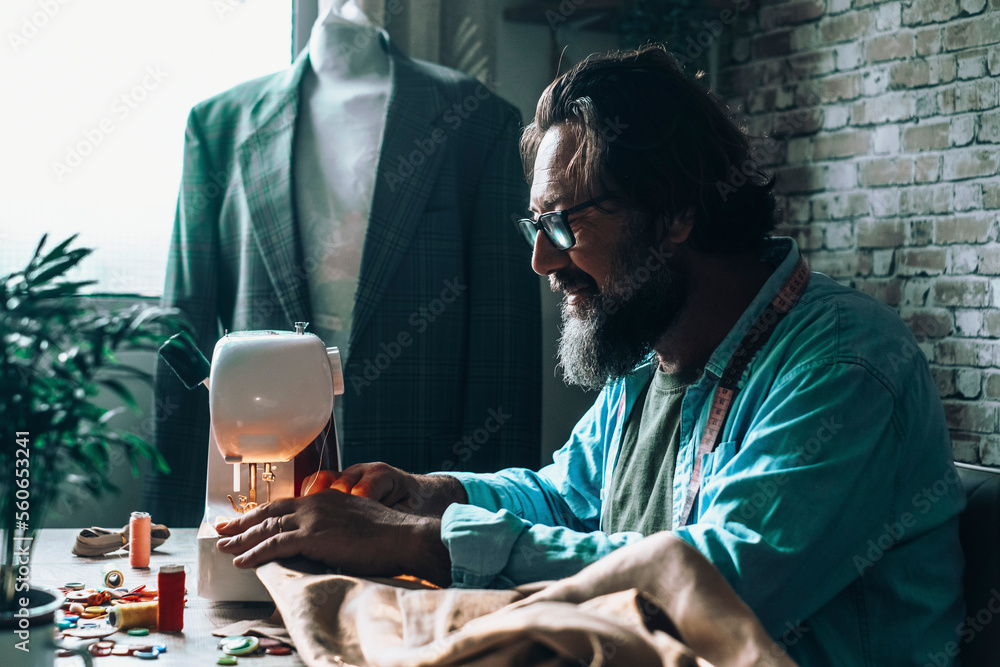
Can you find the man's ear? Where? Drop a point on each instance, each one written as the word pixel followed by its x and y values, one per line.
pixel 679 229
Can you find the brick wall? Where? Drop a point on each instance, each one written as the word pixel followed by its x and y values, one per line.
pixel 883 124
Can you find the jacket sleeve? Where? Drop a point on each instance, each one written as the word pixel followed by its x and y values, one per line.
pixel 181 419
pixel 503 373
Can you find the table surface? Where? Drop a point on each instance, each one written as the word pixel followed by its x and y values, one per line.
pixel 53 564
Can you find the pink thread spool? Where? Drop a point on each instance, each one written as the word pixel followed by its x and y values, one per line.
pixel 138 539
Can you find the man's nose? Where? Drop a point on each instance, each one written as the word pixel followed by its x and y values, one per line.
pixel 545 258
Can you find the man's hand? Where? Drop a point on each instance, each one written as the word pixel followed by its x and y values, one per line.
pixel 423 495
pixel 355 534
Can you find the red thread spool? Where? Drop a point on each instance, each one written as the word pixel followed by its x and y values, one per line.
pixel 170 581
pixel 138 539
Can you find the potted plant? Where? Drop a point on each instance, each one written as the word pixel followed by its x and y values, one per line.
pixel 58 351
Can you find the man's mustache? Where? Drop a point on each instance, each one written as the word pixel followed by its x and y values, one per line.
pixel 572 280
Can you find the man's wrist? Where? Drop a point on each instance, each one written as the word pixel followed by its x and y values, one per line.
pixel 437 493
pixel 431 560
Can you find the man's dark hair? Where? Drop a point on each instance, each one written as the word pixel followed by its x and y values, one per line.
pixel 662 143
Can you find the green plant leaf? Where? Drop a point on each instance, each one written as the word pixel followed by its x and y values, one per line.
pixel 58 267
pixel 41 244
pixel 122 392
pixel 62 246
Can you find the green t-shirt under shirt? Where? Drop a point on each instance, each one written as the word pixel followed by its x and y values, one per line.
pixel 642 486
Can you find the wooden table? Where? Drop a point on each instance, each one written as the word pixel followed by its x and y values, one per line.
pixel 53 564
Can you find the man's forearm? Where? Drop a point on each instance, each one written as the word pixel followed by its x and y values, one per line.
pixel 433 494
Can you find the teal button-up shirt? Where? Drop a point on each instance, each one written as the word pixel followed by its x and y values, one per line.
pixel 830 505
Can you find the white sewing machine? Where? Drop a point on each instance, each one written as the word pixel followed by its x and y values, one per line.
pixel 271 394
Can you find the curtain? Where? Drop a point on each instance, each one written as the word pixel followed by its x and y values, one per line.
pixel 461 34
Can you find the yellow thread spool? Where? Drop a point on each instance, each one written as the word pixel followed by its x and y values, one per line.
pixel 135 615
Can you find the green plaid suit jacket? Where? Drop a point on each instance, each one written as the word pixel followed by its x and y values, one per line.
pixel 444 370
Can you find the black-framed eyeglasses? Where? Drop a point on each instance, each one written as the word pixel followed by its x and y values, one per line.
pixel 555 224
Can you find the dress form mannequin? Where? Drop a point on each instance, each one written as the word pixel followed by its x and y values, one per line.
pixel 353 155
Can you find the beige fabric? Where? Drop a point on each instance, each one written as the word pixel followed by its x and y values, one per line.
pixel 594 618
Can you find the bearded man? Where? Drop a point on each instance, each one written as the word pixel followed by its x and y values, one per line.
pixel 784 425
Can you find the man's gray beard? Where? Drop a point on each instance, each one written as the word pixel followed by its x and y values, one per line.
pixel 619 326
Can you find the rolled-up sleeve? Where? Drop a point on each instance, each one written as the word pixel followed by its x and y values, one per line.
pixel 522 526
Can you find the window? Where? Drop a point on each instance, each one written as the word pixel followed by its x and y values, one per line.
pixel 96 96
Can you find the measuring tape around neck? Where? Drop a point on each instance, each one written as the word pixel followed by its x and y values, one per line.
pixel 725 392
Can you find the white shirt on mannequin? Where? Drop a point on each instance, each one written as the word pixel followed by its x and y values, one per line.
pixel 343 99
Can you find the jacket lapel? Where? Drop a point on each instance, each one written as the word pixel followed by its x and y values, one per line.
pixel 404 179
pixel 265 162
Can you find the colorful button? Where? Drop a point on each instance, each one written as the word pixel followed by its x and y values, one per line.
pixel 147 655
pixel 241 646
pixel 74 586
pixel 277 650
pixel 66 623
pixel 230 638
pixel 226 660
pixel 139 632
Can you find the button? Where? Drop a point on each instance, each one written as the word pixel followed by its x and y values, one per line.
pixel 230 638
pixel 147 655
pixel 94 610
pixel 139 632
pixel 98 651
pixel 277 650
pixel 226 660
pixel 242 646
pixel 74 586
